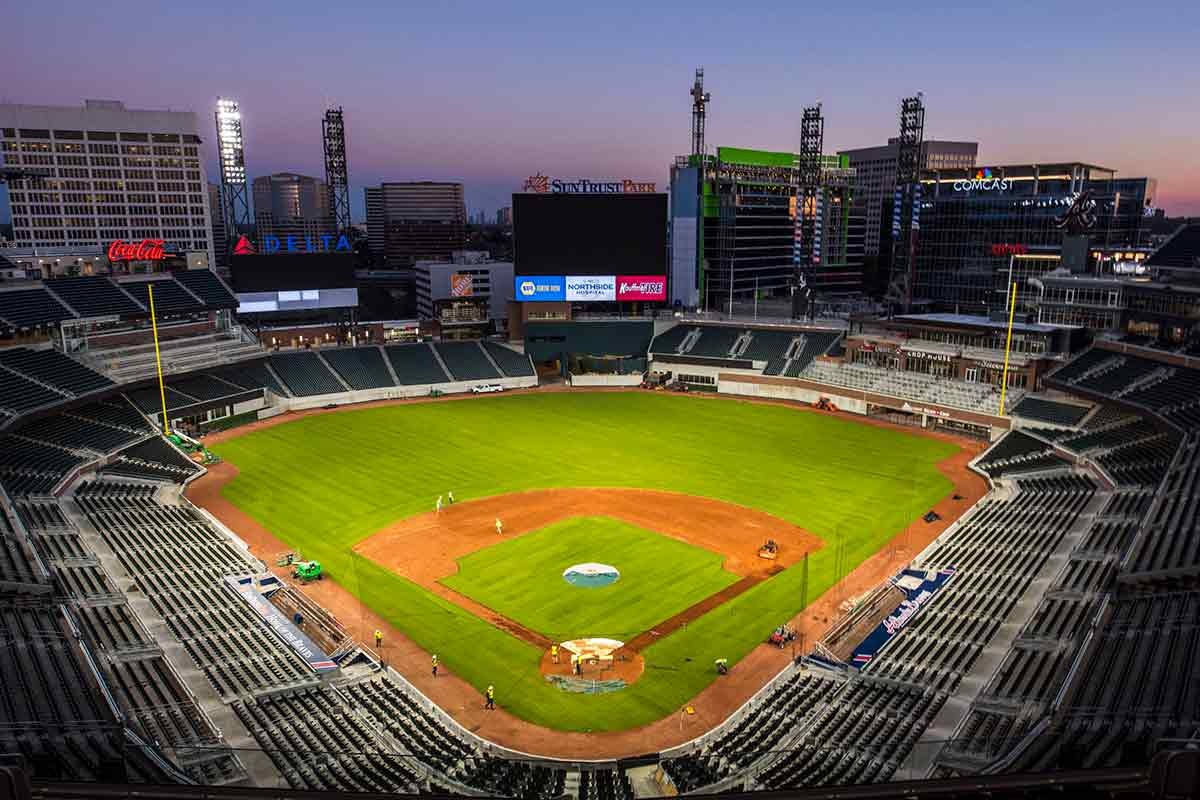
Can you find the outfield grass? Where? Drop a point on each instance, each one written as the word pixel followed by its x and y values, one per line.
pixel 522 578
pixel 323 483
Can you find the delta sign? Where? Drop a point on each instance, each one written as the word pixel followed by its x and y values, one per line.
pixel 983 181
pixel 542 184
pixel 325 243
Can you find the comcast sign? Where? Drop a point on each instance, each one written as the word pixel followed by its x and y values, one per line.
pixel 983 181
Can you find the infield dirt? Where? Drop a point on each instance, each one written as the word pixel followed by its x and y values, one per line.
pixel 711 706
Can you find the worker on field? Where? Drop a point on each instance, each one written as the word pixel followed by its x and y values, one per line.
pixel 378 638
pixel 499 527
pixel 490 705
pixel 578 664
pixel 722 665
pixel 450 496
pixel 554 652
pixel 435 665
pixel 439 504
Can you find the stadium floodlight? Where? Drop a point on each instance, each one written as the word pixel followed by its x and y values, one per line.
pixel 235 206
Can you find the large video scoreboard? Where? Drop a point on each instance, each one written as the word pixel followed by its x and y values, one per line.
pixel 590 247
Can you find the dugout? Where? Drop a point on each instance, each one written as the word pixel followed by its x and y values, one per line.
pixel 603 346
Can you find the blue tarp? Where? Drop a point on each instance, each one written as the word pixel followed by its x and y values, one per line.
pixel 244 586
pixel 919 587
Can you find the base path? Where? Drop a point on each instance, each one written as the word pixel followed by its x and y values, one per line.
pixel 713 705
pixel 425 548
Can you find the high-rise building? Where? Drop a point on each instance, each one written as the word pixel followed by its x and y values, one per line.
pixel 407 222
pixel 504 217
pixel 1040 218
pixel 287 204
pixel 875 175
pixel 106 173
pixel 737 233
pixel 220 236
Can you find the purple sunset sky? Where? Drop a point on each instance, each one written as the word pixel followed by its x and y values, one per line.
pixel 488 93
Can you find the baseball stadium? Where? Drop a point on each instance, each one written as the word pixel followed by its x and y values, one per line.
pixel 598 555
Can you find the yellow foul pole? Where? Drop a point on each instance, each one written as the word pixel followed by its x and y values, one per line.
pixel 1012 308
pixel 162 390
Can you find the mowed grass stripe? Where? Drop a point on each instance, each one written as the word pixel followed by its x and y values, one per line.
pixel 324 482
pixel 522 578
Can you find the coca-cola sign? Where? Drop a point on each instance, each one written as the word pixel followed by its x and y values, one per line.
pixel 145 250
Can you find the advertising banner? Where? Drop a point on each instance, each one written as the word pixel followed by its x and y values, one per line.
pixel 462 285
pixel 591 288
pixel 277 621
pixel 539 288
pixel 919 587
pixel 642 287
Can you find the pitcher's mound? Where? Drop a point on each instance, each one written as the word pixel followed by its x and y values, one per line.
pixel 606 665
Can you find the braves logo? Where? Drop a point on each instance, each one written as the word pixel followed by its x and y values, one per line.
pixel 537 183
pixel 1081 216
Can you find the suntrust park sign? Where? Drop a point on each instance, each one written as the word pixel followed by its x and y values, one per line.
pixel 542 184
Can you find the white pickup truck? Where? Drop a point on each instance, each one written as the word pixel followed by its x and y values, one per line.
pixel 487 388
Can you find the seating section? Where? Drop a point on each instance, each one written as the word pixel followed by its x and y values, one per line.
pixel 250 375
pixel 715 342
pixel 305 374
pixel 53 369
pixel 915 386
pixel 768 345
pixel 511 363
pixel 180 354
pixel 1042 410
pixel 789 704
pixel 360 367
pixel 466 361
pixel 152 459
pixel 29 467
pixel 432 743
pixel 178 562
pixel 205 284
pixel 72 431
pixel 169 297
pixel 1018 452
pixel 19 394
pixel 862 735
pixel 31 308
pixel 1167 544
pixel 415 364
pixel 604 784
pixel 318 744
pixel 94 296
pixel 671 339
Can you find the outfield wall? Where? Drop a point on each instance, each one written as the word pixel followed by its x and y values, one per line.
pixel 594 379
pixel 281 404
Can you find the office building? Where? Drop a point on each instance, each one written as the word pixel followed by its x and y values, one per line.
pixel 287 204
pixel 738 233
pixel 1040 218
pixel 100 172
pixel 504 217
pixel 875 176
pixel 220 237
pixel 410 222
pixel 468 295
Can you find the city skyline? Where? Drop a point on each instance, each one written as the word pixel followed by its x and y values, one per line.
pixel 602 93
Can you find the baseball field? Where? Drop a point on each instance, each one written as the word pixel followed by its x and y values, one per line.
pixel 674 492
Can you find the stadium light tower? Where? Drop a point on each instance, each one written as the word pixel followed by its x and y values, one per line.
pixel 234 196
pixel 333 136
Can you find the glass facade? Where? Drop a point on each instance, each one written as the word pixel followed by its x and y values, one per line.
pixel 971 226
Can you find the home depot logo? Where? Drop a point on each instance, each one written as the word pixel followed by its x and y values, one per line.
pixel 244 248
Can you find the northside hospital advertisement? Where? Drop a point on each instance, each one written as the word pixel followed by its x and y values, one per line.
pixel 590 288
